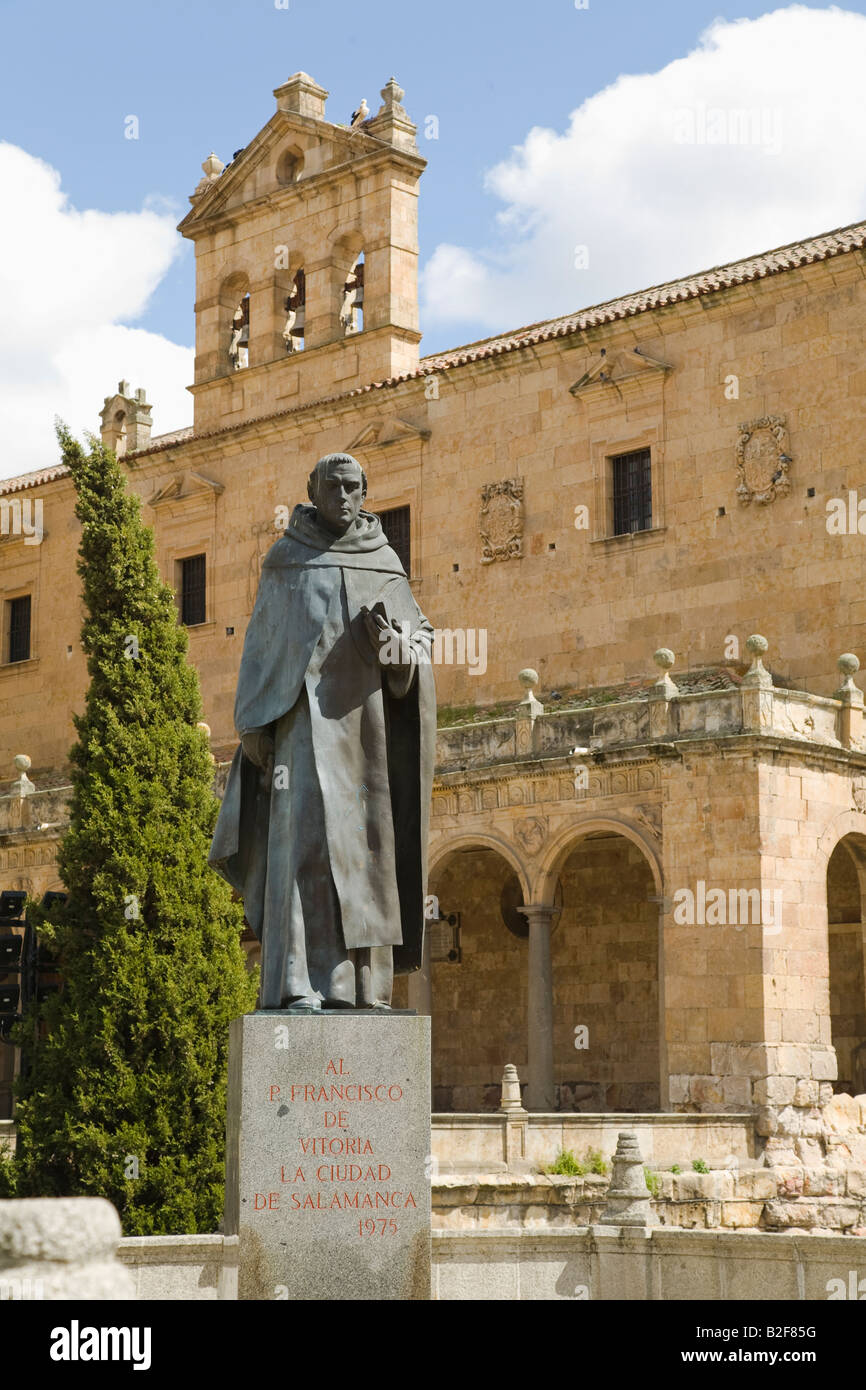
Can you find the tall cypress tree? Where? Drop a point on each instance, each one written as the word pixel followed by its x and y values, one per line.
pixel 125 1093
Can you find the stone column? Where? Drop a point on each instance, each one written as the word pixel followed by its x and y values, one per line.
pixel 539 1089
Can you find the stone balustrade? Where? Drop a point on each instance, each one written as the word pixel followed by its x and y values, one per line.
pixel 663 713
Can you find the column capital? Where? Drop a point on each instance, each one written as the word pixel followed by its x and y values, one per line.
pixel 539 914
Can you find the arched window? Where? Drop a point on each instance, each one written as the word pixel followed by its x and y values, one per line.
pixel 239 342
pixel 352 307
pixel 120 432
pixel 289 165
pixel 295 306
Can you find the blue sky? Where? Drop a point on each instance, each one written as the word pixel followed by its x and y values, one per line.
pixel 200 76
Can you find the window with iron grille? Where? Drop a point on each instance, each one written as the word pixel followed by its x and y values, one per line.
pixel 19 628
pixel 192 590
pixel 632 492
pixel 395 524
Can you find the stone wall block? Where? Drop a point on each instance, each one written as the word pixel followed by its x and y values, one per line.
pixel 824 1066
pixel 775 1090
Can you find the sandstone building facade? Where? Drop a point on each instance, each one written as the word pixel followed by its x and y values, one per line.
pixel 647 880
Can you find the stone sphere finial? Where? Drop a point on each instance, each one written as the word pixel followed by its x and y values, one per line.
pixel 664 687
pixel 848 692
pixel 848 664
pixel 757 673
pixel 528 678
pixel 22 783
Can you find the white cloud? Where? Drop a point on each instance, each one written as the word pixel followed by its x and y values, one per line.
pixel 69 283
pixel 756 138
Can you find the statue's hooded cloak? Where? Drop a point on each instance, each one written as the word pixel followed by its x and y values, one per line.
pixel 373 741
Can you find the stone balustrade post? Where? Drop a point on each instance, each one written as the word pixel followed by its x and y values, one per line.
pixel 661 694
pixel 757 689
pixel 527 711
pixel 850 730
pixel 516 1119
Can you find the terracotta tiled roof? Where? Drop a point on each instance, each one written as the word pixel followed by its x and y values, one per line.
pixel 164 441
pixel 59 470
pixel 723 277
pixel 25 480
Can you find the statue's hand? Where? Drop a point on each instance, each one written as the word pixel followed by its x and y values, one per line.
pixel 376 627
pixel 258 746
pixel 389 641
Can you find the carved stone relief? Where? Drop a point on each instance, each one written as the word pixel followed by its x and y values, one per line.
pixel 763 460
pixel 501 523
pixel 530 833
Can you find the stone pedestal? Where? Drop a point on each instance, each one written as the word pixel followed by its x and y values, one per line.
pixel 328 1155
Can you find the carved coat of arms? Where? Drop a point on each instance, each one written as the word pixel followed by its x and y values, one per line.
pixel 501 524
pixel 763 460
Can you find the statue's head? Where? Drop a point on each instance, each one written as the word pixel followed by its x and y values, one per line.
pixel 337 487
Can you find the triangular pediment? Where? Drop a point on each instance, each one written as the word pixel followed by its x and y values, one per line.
pixel 185 487
pixel 238 184
pixel 383 432
pixel 620 367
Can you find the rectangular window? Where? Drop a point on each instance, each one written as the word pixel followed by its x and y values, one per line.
pixel 395 524
pixel 18 616
pixel 192 590
pixel 632 493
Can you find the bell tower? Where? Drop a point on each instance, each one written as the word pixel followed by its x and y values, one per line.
pixel 306 248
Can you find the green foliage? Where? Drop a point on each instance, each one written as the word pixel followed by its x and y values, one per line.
pixel 653 1182
pixel 596 1162
pixel 8 1173
pixel 127 1065
pixel 700 1165
pixel 675 1168
pixel 448 716
pixel 566 1165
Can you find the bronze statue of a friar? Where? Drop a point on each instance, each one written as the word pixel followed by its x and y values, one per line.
pixel 323 826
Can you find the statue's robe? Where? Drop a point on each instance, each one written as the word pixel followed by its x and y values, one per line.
pixel 329 856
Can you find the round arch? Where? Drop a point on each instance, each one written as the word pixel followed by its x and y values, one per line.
pixel 544 880
pixel 842 861
pixel 845 824
pixel 479 840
